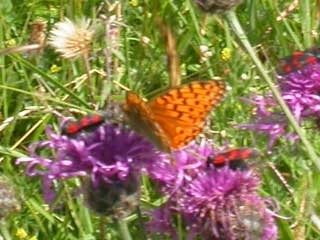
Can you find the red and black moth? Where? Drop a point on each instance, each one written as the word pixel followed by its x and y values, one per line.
pixel 87 122
pixel 234 158
pixel 298 60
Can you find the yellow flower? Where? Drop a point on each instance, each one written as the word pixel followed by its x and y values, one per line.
pixel 21 233
pixel 54 68
pixel 70 39
pixel 11 43
pixel 33 238
pixel 226 54
pixel 134 3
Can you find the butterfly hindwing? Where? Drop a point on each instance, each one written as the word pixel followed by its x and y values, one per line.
pixel 141 120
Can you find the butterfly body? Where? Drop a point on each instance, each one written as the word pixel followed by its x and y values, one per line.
pixel 87 122
pixel 234 158
pixel 298 61
pixel 174 118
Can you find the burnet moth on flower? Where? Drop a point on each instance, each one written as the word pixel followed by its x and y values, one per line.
pixel 298 60
pixel 85 123
pixel 234 158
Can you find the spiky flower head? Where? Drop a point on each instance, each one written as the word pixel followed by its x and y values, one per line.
pixel 109 158
pixel 300 90
pixel 71 39
pixel 8 199
pixel 217 6
pixel 214 203
pixel 306 79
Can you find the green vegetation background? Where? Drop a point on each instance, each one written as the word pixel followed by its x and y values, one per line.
pixel 26 82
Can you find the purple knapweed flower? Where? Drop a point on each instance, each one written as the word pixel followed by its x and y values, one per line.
pixel 224 204
pixel 213 203
pixel 269 119
pixel 300 89
pixel 306 79
pixel 109 158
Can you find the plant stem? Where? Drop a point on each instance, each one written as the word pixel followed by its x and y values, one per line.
pixel 231 16
pixel 90 83
pixel 102 226
pixel 124 231
pixel 4 230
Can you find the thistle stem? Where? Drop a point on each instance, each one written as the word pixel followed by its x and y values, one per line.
pixel 231 16
pixel 102 225
pixel 90 83
pixel 124 231
pixel 4 230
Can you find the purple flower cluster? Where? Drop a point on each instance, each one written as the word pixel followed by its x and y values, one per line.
pixel 109 156
pixel 214 203
pixel 300 90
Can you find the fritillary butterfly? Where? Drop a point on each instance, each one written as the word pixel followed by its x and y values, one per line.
pixel 298 61
pixel 234 158
pixel 174 118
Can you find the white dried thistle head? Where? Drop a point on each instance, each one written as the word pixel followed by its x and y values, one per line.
pixel 72 39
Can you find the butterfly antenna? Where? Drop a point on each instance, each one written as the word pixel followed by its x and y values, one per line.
pixel 281 178
pixel 171 50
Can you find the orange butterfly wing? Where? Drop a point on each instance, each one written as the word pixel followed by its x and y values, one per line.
pixel 177 116
pixel 141 120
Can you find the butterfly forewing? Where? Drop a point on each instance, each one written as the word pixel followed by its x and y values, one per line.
pixel 181 111
pixel 174 118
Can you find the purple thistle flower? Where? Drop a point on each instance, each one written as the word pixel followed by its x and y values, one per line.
pixel 214 203
pixel 300 90
pixel 108 158
pixel 268 119
pixel 224 205
pixel 306 79
pixel 180 168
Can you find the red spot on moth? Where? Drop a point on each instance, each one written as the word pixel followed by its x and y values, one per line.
pixel 287 68
pixel 298 54
pixel 311 60
pixel 72 128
